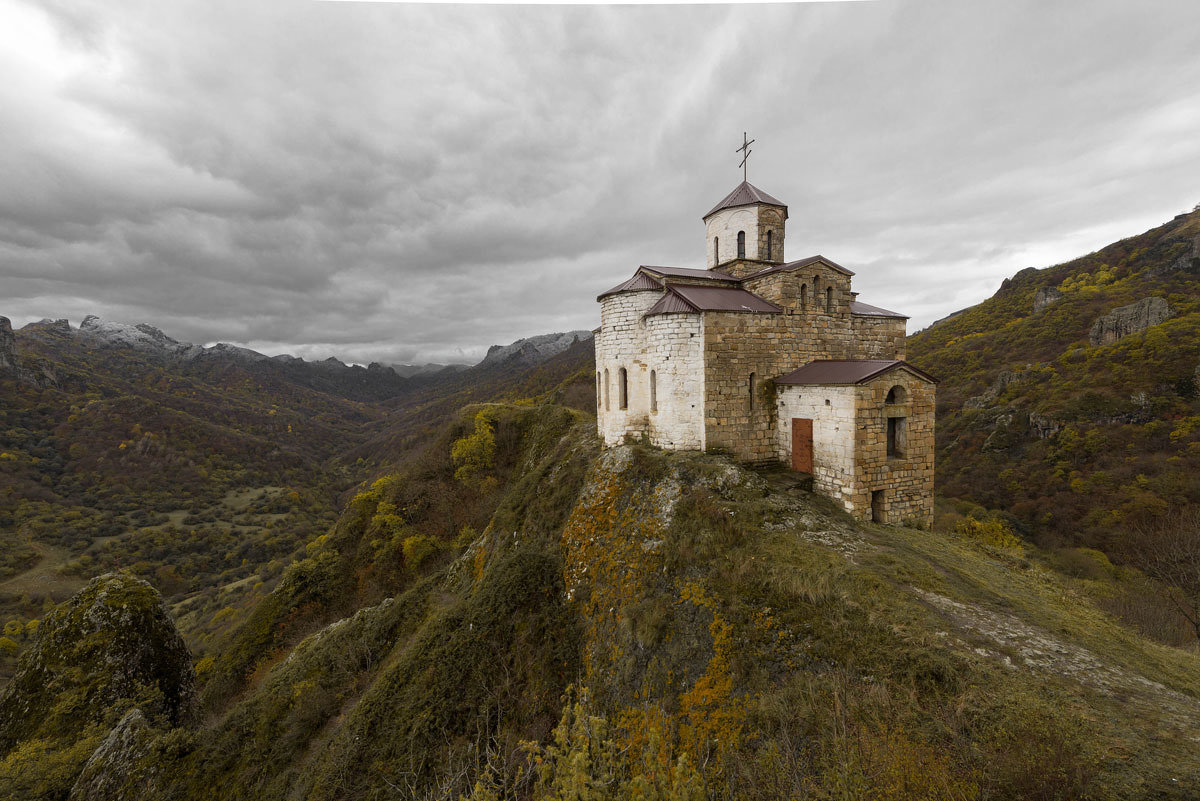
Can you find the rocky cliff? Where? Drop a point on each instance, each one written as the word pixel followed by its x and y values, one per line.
pixel 1131 319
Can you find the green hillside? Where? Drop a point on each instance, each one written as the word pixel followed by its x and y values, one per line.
pixel 518 613
pixel 1077 431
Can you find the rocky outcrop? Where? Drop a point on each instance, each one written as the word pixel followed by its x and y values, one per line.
pixel 35 373
pixel 1128 320
pixel 113 642
pixel 119 767
pixel 1042 426
pixel 533 350
pixel 1046 296
pixel 1002 382
pixel 8 348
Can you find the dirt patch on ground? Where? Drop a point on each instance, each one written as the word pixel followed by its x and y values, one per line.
pixel 1020 645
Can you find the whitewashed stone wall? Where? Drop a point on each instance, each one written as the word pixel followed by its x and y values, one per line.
pixel 670 345
pixel 725 225
pixel 832 410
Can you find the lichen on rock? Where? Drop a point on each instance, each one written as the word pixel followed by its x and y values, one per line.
pixel 111 647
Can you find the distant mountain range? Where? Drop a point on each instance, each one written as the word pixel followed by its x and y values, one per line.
pixel 376 381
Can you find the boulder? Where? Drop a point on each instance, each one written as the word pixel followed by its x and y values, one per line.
pixel 111 644
pixel 1131 319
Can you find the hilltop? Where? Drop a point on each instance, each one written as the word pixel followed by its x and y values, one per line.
pixel 517 613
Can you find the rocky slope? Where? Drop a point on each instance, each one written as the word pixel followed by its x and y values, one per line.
pixel 518 614
pixel 1069 399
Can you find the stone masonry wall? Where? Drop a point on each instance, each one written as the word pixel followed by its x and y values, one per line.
pixel 724 225
pixel 670 346
pixel 676 355
pixel 832 410
pixel 880 337
pixel 784 289
pixel 770 218
pixel 907 482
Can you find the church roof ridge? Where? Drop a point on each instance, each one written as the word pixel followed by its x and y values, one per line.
pixel 847 371
pixel 744 194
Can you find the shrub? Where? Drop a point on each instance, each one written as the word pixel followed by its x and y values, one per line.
pixel 475 454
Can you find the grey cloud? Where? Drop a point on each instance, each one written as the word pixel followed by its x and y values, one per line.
pixel 406 182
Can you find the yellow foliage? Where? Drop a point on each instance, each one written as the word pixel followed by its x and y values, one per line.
pixel 417 549
pixel 995 533
pixel 475 454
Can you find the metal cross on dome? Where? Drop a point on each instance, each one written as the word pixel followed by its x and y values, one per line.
pixel 746 151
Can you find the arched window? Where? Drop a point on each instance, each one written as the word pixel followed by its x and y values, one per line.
pixel 716 250
pixel 804 296
pixel 753 389
pixel 653 392
pixel 896 394
pixel 816 290
pixel 828 298
pixel 741 244
pixel 768 256
pixel 607 393
pixel 599 393
pixel 623 388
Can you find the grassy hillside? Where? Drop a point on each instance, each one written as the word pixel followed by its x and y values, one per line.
pixel 517 613
pixel 1078 440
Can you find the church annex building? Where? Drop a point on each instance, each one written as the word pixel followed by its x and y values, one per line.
pixel 772 361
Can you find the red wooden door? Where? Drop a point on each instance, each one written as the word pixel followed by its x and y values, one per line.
pixel 802 445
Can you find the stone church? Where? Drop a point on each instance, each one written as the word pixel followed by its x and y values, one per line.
pixel 771 360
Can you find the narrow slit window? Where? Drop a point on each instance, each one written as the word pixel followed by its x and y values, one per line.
pixel 716 250
pixel 623 379
pixel 599 391
pixel 741 244
pixel 828 298
pixel 607 393
pixel 896 437
pixel 768 256
pixel 653 391
pixel 804 296
pixel 753 389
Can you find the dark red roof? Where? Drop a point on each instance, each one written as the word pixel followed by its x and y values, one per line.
pixel 847 371
pixel 692 299
pixel 688 272
pixel 867 310
pixel 640 281
pixel 743 195
pixel 798 264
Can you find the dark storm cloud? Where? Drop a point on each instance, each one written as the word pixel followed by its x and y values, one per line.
pixel 396 182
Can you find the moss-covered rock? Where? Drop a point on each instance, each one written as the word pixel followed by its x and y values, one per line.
pixel 109 648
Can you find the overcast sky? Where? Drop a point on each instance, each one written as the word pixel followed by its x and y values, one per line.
pixel 388 182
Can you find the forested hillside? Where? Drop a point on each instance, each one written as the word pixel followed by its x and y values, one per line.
pixel 1070 398
pixel 516 613
pixel 204 476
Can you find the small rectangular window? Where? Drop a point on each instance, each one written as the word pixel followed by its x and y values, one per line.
pixel 895 437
